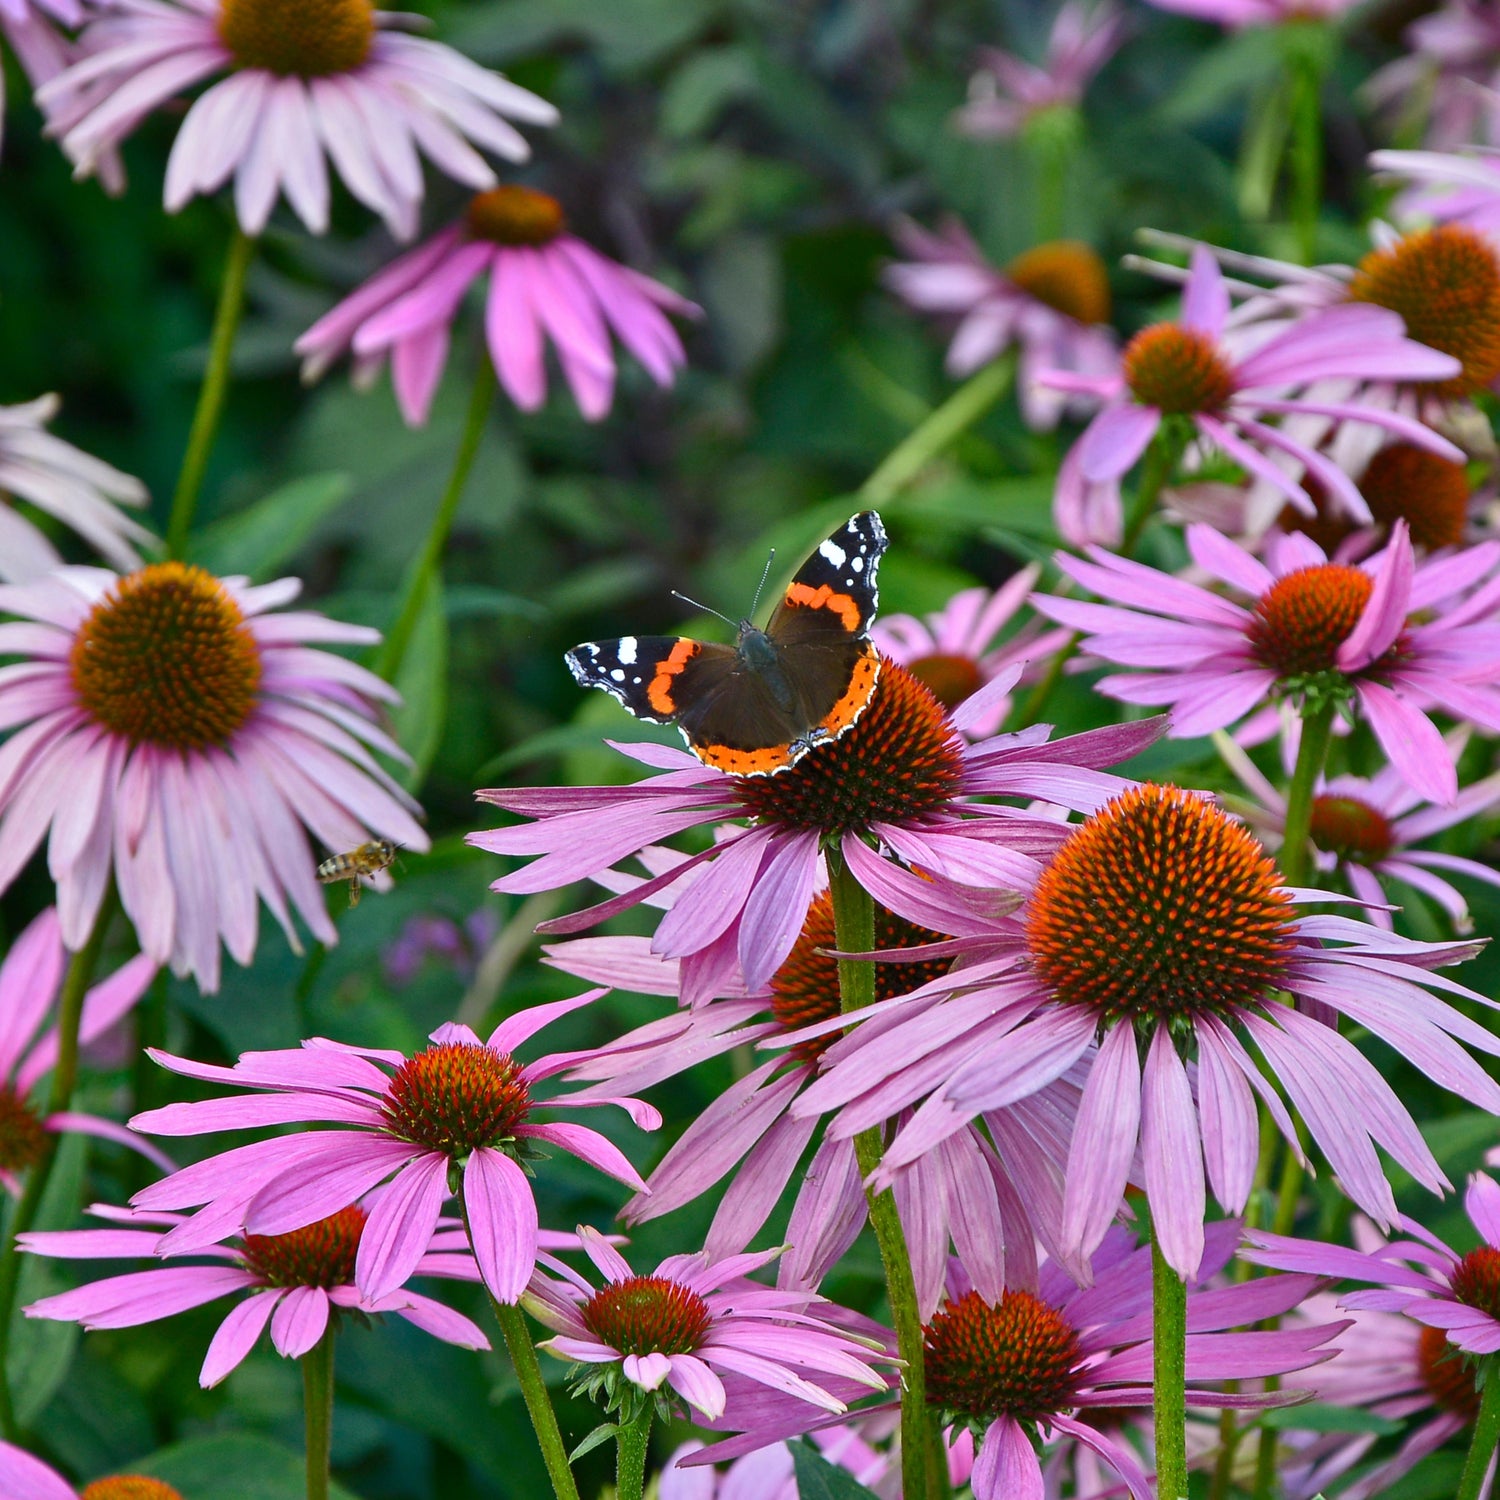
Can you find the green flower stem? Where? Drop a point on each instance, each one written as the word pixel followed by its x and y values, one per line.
pixel 1296 862
pixel 523 1358
pixel 1317 731
pixel 80 972
pixel 1169 1355
pixel 1305 151
pixel 1486 1433
pixel 1162 458
pixel 939 431
pixel 424 568
pixel 854 932
pixel 211 394
pixel 317 1397
pixel 632 1443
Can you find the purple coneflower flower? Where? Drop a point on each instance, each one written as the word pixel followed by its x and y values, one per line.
pixel 544 285
pixel 1393 636
pixel 1033 1365
pixel 990 1199
pixel 691 1322
pixel 30 977
pixel 1052 301
pixel 1162 922
pixel 1419 1277
pixel 953 653
pixel 1008 92
pixel 1449 70
pixel 173 731
pixel 309 81
pixel 1392 1367
pixel 1187 372
pixel 25 1477
pixel 461 1105
pixel 294 1282
pixel 1368 830
pixel 63 482
pixel 902 775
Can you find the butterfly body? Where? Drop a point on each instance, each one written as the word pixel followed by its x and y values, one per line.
pixel 756 707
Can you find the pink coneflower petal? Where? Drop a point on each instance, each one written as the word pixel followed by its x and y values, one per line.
pixel 1172 1155
pixel 502 1221
pixel 1103 1141
pixel 401 1225
pixel 236 1336
pixel 28 1478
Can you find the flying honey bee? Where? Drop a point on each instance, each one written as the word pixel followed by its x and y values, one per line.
pixel 364 863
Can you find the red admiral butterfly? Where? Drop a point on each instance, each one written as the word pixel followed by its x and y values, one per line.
pixel 758 706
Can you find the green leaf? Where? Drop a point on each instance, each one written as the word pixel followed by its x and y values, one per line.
pixel 817 1479
pixel 423 685
pixel 229 1467
pixel 601 1434
pixel 261 539
pixel 1319 1416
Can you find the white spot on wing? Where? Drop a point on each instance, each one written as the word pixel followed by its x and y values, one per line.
pixel 833 552
pixel 627 650
pixel 859 563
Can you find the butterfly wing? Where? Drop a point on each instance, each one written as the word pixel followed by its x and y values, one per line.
pixel 821 628
pixel 657 677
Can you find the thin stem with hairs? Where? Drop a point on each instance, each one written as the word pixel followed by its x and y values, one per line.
pixel 1169 1387
pixel 854 932
pixel 534 1392
pixel 317 1398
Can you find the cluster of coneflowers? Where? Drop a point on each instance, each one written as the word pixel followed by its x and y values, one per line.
pixel 1066 1042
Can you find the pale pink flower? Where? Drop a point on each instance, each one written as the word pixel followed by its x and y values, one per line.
pixel 30 977
pixel 545 285
pixel 459 1105
pixel 1392 637
pixel 1239 13
pixel 61 481
pixel 1008 92
pixel 1052 302
pixel 1161 929
pixel 25 1477
pixel 1448 187
pixel 1192 371
pixel 955 653
pixel 173 731
pixel 308 82
pixel 291 1282
pixel 1450 69
pixel 692 1321
pixel 1370 830
pixel 30 27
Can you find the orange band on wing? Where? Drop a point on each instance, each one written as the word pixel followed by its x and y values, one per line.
pixel 659 692
pixel 745 762
pixel 856 696
pixel 824 597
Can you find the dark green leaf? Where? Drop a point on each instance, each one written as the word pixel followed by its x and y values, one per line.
pixel 423 685
pixel 817 1479
pixel 600 1435
pixel 261 539
pixel 231 1468
pixel 1318 1416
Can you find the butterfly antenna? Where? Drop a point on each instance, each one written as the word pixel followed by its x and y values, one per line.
pixel 706 610
pixel 760 587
